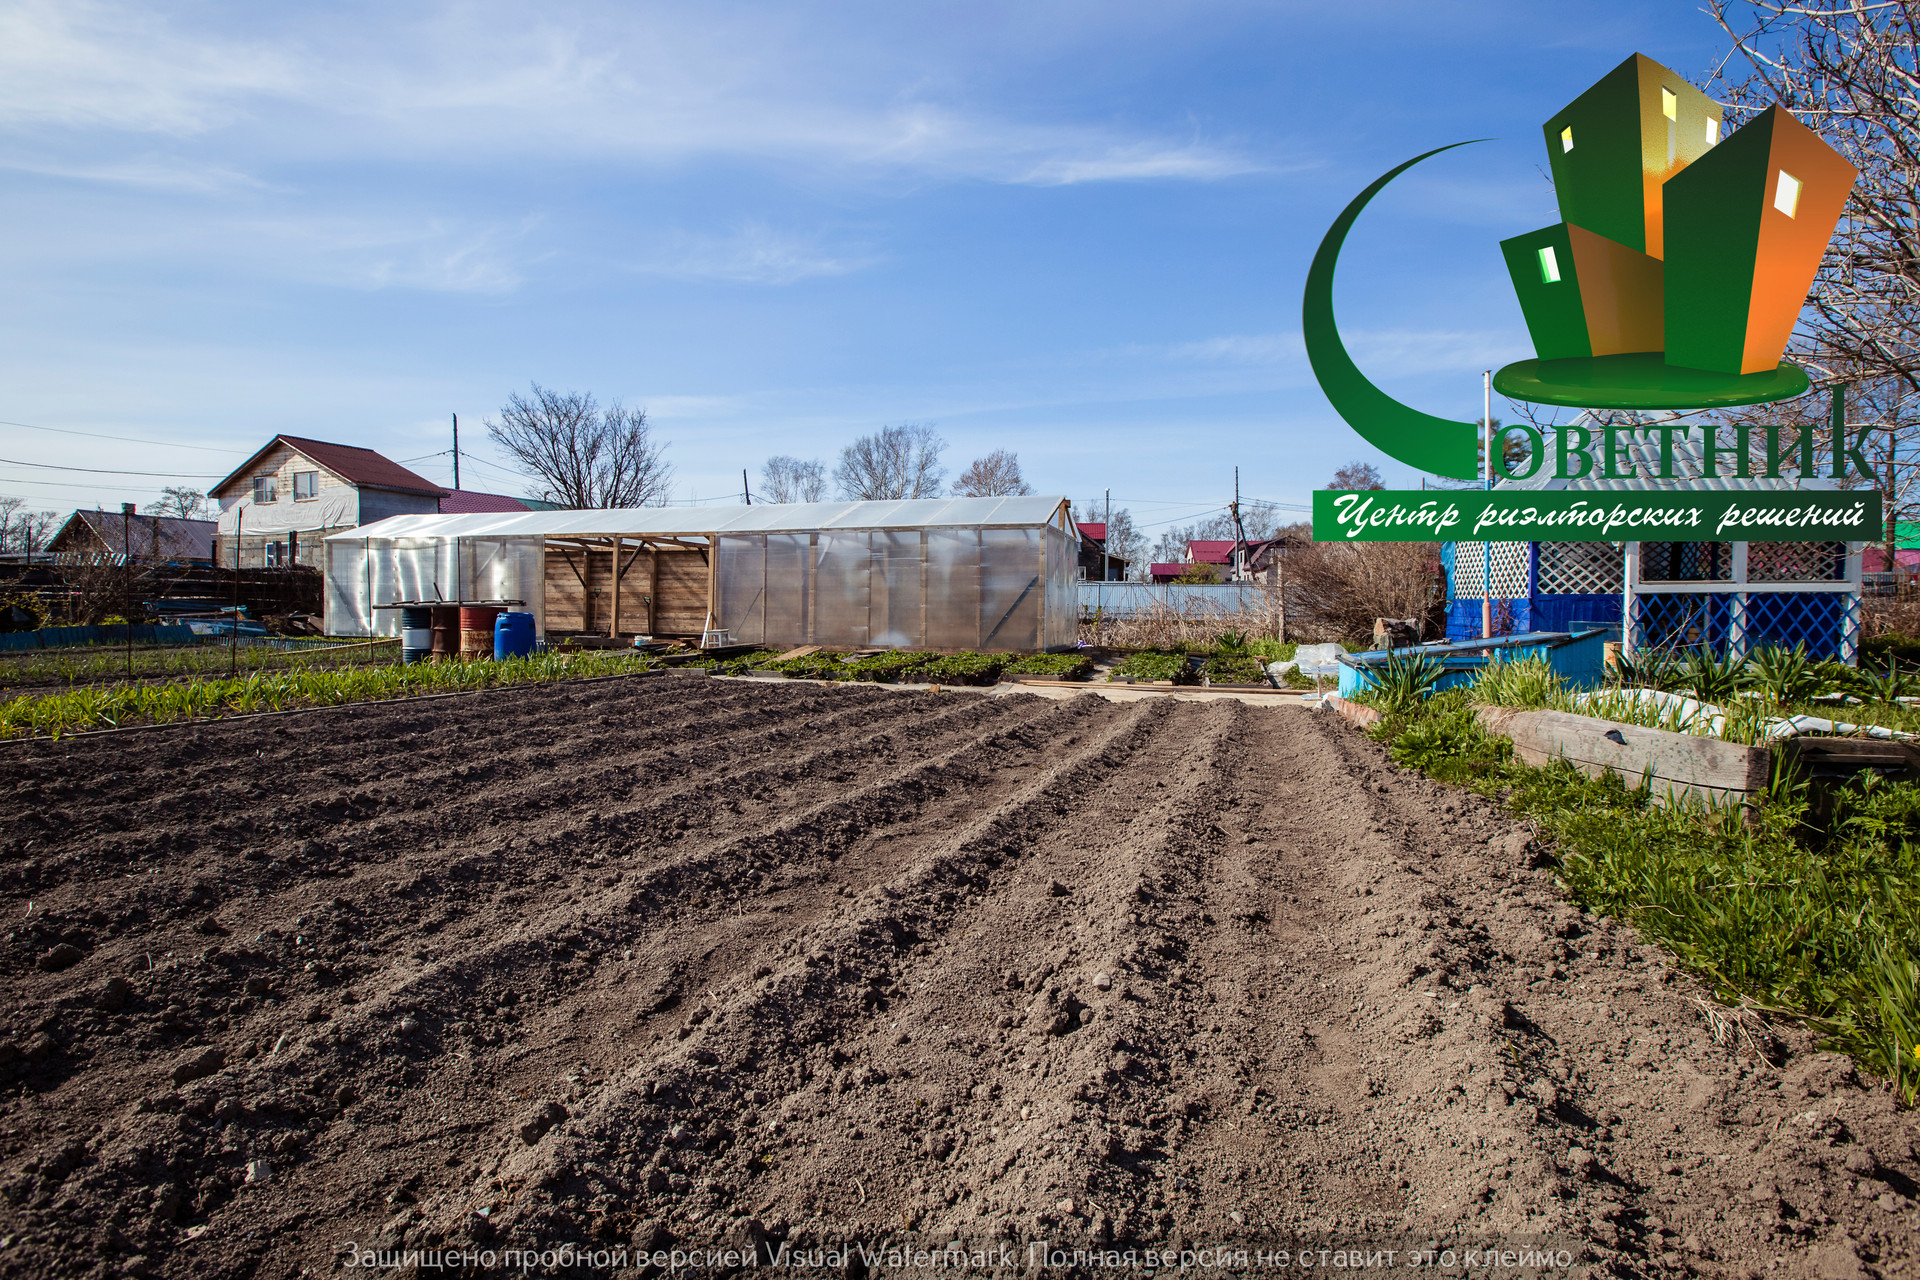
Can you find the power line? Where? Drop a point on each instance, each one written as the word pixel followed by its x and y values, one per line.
pixel 56 484
pixel 99 471
pixel 95 435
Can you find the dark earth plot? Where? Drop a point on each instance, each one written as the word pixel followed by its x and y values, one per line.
pixel 676 959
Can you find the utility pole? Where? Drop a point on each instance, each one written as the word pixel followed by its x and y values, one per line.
pixel 1239 533
pixel 233 623
pixel 456 451
pixel 744 491
pixel 1106 539
pixel 126 581
pixel 1486 548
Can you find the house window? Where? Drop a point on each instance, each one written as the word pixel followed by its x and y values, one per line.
pixel 266 489
pixel 1669 104
pixel 1786 193
pixel 276 554
pixel 1549 266
pixel 1713 132
pixel 306 484
pixel 1566 139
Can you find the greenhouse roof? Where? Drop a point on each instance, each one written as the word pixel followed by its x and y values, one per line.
pixel 766 517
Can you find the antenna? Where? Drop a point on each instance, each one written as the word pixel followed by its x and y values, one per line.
pixel 456 451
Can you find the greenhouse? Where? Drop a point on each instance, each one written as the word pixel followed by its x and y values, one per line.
pixel 943 573
pixel 1725 597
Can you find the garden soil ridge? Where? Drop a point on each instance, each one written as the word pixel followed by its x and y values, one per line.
pixel 691 961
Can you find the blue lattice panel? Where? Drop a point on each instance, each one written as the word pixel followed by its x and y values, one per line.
pixel 1783 619
pixel 1680 622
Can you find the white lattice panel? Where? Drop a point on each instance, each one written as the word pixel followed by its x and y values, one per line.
pixel 1580 568
pixel 1796 561
pixel 1510 560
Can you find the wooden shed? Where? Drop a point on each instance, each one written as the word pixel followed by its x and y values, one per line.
pixel 941 573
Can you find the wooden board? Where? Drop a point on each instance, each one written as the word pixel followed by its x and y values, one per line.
pixel 1676 763
pixel 801 652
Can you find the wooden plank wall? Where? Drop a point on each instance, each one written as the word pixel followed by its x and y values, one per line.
pixel 681 607
pixel 681 594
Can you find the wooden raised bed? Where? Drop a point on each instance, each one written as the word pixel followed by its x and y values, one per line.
pixel 1675 764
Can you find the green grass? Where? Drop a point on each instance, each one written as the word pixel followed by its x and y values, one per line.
pixel 113 706
pixel 1235 668
pixel 102 664
pixel 1155 664
pixel 908 666
pixel 1816 922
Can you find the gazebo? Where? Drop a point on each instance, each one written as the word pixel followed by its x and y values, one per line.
pixel 1725 597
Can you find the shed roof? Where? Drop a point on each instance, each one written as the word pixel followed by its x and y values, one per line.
pixel 766 517
pixel 466 502
pixel 188 539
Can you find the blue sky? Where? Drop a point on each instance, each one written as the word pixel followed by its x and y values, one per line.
pixel 1074 230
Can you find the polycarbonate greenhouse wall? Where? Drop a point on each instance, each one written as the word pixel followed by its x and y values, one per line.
pixel 965 573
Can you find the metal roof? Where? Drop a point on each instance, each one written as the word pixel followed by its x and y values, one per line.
pixel 765 517
pixel 356 465
pixel 1688 466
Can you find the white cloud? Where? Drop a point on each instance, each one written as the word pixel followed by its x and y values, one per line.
pixel 477 83
pixel 752 254
pixel 1382 353
pixel 1141 162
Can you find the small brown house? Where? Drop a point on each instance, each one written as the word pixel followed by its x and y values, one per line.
pixel 282 501
pixel 143 537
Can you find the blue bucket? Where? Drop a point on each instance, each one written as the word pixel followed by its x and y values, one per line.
pixel 416 633
pixel 513 635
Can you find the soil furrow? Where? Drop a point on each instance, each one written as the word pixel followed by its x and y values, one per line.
pixel 680 960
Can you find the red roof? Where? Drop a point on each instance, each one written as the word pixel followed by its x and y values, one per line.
pixel 1095 529
pixel 466 502
pixel 1874 559
pixel 1167 570
pixel 1210 550
pixel 350 462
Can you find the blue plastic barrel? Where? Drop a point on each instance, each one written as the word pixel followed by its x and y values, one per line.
pixel 416 633
pixel 513 635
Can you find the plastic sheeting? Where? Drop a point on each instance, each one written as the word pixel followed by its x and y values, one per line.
pixel 937 587
pixel 364 573
pixel 990 589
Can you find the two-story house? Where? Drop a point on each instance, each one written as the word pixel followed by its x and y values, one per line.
pixel 278 505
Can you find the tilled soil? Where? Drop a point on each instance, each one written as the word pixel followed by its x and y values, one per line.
pixel 673 960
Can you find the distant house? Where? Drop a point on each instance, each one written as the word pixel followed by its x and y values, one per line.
pixel 468 502
pixel 1095 564
pixel 144 537
pixel 277 506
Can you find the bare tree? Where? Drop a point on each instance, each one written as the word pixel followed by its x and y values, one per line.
pixel 995 476
pixel 1260 519
pixel 587 456
pixel 22 529
pixel 179 502
pixel 1357 475
pixel 1171 546
pixel 785 479
pixel 894 462
pixel 1851 72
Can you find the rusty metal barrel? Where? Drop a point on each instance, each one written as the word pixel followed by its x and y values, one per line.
pixel 444 623
pixel 476 630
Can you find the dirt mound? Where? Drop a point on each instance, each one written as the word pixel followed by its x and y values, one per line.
pixel 679 960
